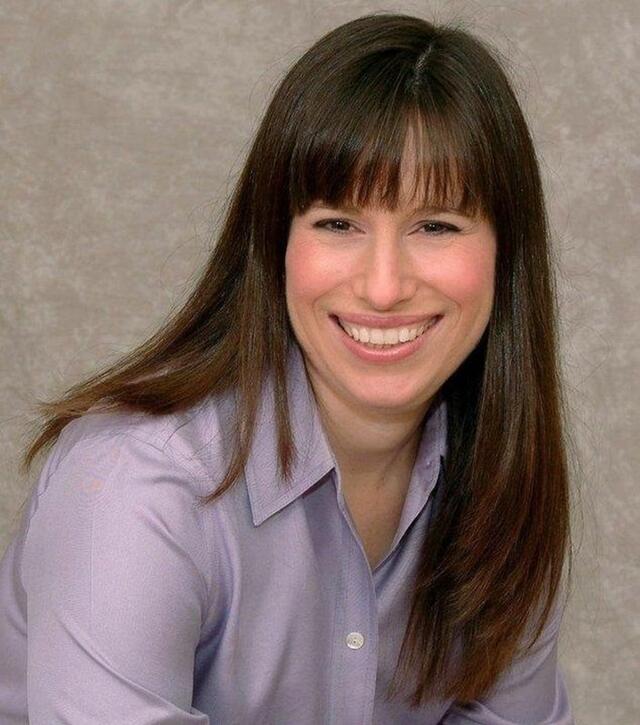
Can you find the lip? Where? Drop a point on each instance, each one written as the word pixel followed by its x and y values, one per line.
pixel 390 355
pixel 383 323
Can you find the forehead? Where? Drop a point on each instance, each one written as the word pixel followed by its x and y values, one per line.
pixel 414 164
pixel 417 190
pixel 429 174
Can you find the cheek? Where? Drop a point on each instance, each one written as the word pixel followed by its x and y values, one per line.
pixel 468 277
pixel 308 272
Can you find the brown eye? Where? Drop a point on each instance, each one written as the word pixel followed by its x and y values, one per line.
pixel 438 228
pixel 325 224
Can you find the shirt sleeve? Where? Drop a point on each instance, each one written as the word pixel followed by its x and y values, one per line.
pixel 531 692
pixel 114 569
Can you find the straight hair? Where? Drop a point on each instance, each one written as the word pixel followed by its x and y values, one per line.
pixel 335 130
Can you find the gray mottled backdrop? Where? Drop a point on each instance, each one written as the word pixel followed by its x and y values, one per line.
pixel 123 127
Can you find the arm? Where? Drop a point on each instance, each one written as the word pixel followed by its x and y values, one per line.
pixel 112 568
pixel 531 692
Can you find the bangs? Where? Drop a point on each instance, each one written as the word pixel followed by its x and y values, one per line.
pixel 357 154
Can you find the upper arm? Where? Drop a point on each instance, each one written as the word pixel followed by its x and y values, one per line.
pixel 113 568
pixel 531 691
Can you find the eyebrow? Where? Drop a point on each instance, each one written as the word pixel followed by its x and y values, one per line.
pixel 430 209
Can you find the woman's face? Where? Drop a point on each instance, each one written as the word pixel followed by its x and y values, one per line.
pixel 342 262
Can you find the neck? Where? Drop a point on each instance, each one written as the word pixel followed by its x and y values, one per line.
pixel 381 469
pixel 376 452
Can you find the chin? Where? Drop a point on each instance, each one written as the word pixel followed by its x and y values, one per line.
pixel 384 395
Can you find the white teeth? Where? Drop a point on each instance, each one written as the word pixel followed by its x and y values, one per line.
pixel 378 336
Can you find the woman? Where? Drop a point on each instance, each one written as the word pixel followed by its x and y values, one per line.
pixel 363 394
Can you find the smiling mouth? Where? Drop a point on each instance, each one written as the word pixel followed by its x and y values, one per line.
pixel 388 346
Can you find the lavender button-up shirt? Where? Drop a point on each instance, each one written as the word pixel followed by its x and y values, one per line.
pixel 123 602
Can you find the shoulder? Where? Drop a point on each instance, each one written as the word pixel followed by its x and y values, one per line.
pixel 190 440
pixel 111 465
pixel 131 481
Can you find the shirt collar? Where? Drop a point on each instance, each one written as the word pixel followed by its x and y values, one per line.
pixel 267 490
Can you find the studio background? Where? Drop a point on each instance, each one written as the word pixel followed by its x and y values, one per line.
pixel 122 131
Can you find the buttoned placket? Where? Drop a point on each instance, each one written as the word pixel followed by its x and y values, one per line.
pixel 356 655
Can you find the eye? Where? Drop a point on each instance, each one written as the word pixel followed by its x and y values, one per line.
pixel 341 226
pixel 325 224
pixel 439 228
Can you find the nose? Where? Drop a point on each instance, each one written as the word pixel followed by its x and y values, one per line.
pixel 387 275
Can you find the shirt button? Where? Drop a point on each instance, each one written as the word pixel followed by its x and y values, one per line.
pixel 354 640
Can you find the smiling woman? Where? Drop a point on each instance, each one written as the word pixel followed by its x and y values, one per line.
pixel 367 370
pixel 387 263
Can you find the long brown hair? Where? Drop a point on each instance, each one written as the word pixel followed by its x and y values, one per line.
pixel 335 130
